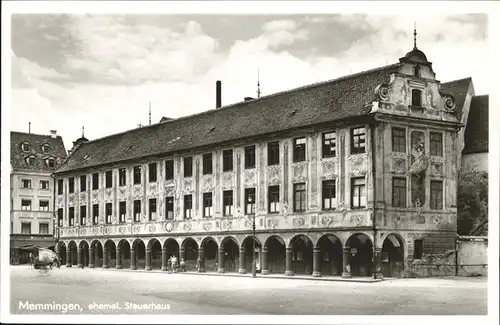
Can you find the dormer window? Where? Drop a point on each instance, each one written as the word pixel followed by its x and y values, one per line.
pixel 45 148
pixel 30 160
pixel 51 162
pixel 25 146
pixel 416 71
pixel 416 97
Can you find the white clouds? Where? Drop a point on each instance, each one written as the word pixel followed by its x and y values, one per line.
pixel 176 69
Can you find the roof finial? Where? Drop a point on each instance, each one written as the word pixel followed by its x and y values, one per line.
pixel 414 35
pixel 258 83
pixel 149 112
pixel 29 127
pixel 83 131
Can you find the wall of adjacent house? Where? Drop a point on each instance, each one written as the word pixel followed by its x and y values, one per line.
pixel 35 194
pixel 475 161
pixel 472 256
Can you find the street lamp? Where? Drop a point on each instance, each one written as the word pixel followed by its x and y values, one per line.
pixel 254 271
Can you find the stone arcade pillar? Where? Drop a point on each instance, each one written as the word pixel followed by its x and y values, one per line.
pixel 118 257
pixel 181 256
pixel 201 258
pixel 133 264
pixel 288 264
pixel 79 257
pixel 316 260
pixel 241 268
pixel 91 258
pixel 264 269
pixel 377 264
pixel 105 257
pixel 148 259
pixel 68 258
pixel 346 263
pixel 164 260
pixel 221 260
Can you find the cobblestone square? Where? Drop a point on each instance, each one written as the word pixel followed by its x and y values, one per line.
pixel 99 291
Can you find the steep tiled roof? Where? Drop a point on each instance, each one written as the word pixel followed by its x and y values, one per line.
pixel 476 131
pixel 322 102
pixel 458 89
pixel 18 156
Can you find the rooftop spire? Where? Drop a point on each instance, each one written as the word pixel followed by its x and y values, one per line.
pixel 414 35
pixel 258 83
pixel 83 131
pixel 149 112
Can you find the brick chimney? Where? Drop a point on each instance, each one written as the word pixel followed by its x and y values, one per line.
pixel 218 94
pixel 53 134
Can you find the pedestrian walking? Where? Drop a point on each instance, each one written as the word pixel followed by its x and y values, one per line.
pixel 30 261
pixel 183 265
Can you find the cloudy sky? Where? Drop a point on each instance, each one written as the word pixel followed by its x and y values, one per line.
pixel 101 71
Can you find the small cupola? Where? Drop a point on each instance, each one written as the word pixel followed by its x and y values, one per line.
pixel 415 62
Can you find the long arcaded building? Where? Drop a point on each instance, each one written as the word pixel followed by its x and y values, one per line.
pixel 355 176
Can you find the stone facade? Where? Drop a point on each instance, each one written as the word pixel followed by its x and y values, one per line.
pixel 360 232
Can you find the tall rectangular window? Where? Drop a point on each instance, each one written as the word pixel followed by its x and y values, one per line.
pixel 329 194
pixel 95 214
pixel 26 183
pixel 398 140
pixel 358 196
pixel 329 148
pixel 227 160
pixel 109 179
pixel 436 195
pixel 95 181
pixel 43 228
pixel 207 164
pixel 399 192
pixel 122 209
pixel 299 149
pixel 71 216
pixel 60 215
pixel 436 144
pixel 418 249
pixel 249 157
pixel 83 215
pixel 109 212
pixel 44 205
pixel 60 187
pixel 83 183
pixel 26 205
pixel 416 97
pixel 358 140
pixel 299 197
pixel 250 201
pixel 152 209
pixel 188 206
pixel 227 201
pixel 169 169
pixel 137 210
pixel 44 185
pixel 72 185
pixel 152 172
pixel 169 207
pixel 207 205
pixel 273 153
pixel 137 175
pixel 26 228
pixel 188 166
pixel 273 199
pixel 122 177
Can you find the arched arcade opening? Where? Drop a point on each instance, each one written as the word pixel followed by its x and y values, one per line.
pixel 330 254
pixel 360 254
pixel 393 256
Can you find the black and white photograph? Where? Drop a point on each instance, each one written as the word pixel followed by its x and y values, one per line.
pixel 249 162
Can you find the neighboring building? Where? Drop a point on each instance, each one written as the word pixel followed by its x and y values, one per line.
pixel 33 159
pixel 475 152
pixel 354 176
